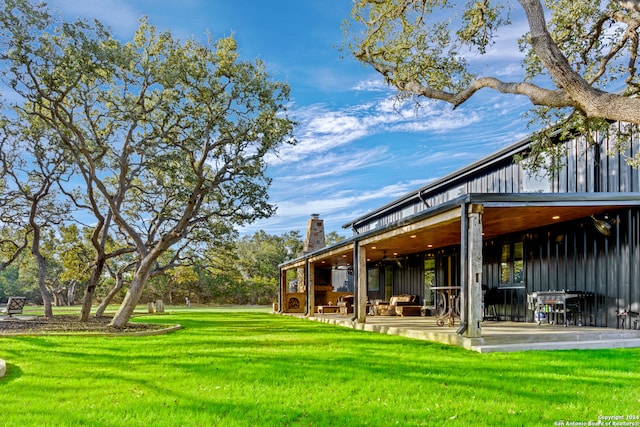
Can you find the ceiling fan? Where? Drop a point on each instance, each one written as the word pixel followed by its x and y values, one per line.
pixel 602 225
pixel 396 259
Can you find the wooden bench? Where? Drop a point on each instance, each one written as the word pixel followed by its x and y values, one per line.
pixel 14 306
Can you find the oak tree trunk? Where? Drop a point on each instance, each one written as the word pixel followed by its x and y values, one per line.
pixel 131 299
pixel 89 293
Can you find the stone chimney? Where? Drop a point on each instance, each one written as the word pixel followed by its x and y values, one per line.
pixel 314 239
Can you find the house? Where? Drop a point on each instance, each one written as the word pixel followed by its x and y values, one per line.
pixel 491 241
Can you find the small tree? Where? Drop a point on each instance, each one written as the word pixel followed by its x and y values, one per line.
pixel 170 136
pixel 76 256
pixel 14 231
pixel 31 172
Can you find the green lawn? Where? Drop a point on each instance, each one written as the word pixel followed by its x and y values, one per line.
pixel 235 367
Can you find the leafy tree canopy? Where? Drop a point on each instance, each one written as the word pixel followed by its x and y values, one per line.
pixel 580 56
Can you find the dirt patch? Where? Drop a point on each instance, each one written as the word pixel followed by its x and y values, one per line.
pixel 70 324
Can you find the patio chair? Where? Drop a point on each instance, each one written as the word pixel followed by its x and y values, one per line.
pixel 346 304
pixel 14 306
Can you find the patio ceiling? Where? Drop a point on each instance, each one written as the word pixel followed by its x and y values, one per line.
pixel 497 221
pixel 444 230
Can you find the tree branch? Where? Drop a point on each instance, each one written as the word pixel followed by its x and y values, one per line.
pixel 631 5
pixel 592 101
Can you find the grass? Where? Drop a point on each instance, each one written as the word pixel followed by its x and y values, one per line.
pixel 236 367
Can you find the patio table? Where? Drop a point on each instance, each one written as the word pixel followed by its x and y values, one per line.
pixel 447 304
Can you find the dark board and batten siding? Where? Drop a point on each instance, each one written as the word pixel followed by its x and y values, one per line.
pixel 591 168
pixel 569 256
pixel 579 258
pixel 587 169
pixel 410 277
pixel 576 257
pixel 505 179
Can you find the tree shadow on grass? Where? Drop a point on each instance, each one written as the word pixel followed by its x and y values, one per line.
pixel 13 373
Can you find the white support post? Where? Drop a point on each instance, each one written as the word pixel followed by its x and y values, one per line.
pixel 283 290
pixel 474 251
pixel 311 289
pixel 362 283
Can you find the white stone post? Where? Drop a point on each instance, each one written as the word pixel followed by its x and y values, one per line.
pixel 311 288
pixel 362 283
pixel 474 278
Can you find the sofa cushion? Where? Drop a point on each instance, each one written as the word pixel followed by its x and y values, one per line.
pixel 404 299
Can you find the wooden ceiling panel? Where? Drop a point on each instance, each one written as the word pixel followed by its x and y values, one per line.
pixel 505 220
pixel 496 221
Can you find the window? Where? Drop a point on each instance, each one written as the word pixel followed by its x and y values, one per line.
pixel 451 266
pixel 388 283
pixel 342 280
pixel 373 279
pixel 512 264
pixel 429 277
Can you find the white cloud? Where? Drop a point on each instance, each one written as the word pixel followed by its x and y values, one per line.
pixel 514 71
pixel 341 200
pixel 334 123
pixel 372 85
pixel 440 157
pixel 334 164
pixel 318 131
pixel 117 14
pixel 336 207
pixel 321 129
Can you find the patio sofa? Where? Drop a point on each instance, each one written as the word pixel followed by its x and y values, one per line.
pixel 399 305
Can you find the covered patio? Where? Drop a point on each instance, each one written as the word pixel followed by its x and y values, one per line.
pixel 464 223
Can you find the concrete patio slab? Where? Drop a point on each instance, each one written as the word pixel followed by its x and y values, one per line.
pixel 496 336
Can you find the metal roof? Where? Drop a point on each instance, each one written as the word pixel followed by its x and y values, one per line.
pixel 458 175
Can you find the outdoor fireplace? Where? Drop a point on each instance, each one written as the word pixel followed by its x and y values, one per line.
pixel 321 295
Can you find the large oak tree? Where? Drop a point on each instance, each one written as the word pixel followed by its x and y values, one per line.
pixel 168 136
pixel 580 56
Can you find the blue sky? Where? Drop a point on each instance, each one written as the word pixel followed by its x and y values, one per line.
pixel 357 148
